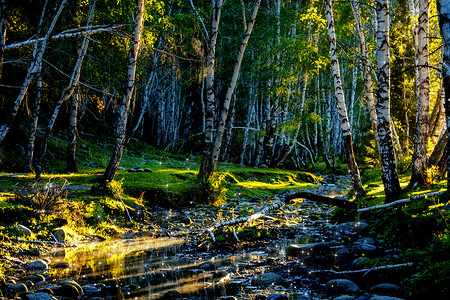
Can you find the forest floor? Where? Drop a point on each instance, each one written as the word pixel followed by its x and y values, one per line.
pixel 303 246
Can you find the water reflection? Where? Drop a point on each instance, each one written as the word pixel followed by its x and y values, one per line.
pixel 144 269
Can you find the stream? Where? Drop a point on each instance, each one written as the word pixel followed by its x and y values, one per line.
pixel 291 253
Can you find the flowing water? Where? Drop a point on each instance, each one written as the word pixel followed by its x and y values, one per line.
pixel 145 269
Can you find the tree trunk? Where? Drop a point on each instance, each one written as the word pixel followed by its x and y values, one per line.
pixel 32 70
pixel 438 153
pixel 2 33
pixel 419 167
pixel 68 91
pixel 437 118
pixel 34 122
pixel 208 163
pixel 339 96
pixel 71 164
pixel 443 9
pixel 124 105
pixel 366 64
pixel 250 116
pixel 388 162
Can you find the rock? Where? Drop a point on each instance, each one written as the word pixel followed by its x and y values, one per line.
pixel 343 251
pixel 303 297
pixel 208 265
pixel 308 249
pixel 139 170
pixel 29 284
pixel 17 288
pixel 91 289
pixel 71 282
pixel 37 265
pixel 121 169
pixel 126 235
pixel 220 274
pixel 60 235
pixel 137 167
pixel 40 296
pixel 276 297
pixel 35 278
pixel 62 266
pixel 24 231
pixel 67 290
pixel 227 298
pixel 359 262
pixel 148 170
pixel 366 248
pixel 365 240
pixel 341 286
pixel 130 287
pixel 172 294
pixel 131 170
pixel 344 297
pixel 387 289
pixel 361 228
pixel 268 278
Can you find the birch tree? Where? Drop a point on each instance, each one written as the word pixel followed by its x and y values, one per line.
pixel 419 167
pixel 443 10
pixel 32 71
pixel 209 160
pixel 342 110
pixel 124 104
pixel 388 161
pixel 366 69
pixel 2 32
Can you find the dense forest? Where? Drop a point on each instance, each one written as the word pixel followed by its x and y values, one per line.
pixel 258 83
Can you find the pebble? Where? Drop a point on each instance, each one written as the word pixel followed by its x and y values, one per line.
pixel 267 278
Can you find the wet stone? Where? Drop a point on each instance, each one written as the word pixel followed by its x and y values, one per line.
pixel 276 297
pixel 377 297
pixel 35 278
pixel 67 290
pixel 359 262
pixel 172 294
pixel 37 264
pixel 39 296
pixel 60 235
pixel 25 231
pixel 365 240
pixel 387 289
pixel 344 297
pixel 341 286
pixel 268 278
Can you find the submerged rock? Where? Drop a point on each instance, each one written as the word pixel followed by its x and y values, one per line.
pixel 268 278
pixel 387 289
pixel 341 286
pixel 25 231
pixel 60 235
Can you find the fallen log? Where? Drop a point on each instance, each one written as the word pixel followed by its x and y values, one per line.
pixel 401 201
pixel 365 271
pixel 284 199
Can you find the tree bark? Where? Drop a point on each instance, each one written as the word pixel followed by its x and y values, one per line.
pixel 206 164
pixel 209 162
pixel 68 91
pixel 3 24
pixel 71 164
pixel 339 96
pixel 443 9
pixel 437 118
pixel 32 70
pixel 366 64
pixel 124 105
pixel 419 166
pixel 388 162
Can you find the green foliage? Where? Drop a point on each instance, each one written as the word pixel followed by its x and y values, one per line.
pixel 404 164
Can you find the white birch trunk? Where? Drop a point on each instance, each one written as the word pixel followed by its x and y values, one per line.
pixel 209 164
pixel 342 110
pixel 419 167
pixel 388 162
pixel 366 64
pixel 443 9
pixel 116 156
pixel 2 33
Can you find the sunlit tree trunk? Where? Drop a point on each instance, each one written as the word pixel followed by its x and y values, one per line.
pixel 250 117
pixel 419 167
pixel 32 71
pixel 366 65
pixel 339 96
pixel 437 118
pixel 124 104
pixel 71 164
pixel 208 164
pixel 388 162
pixel 443 9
